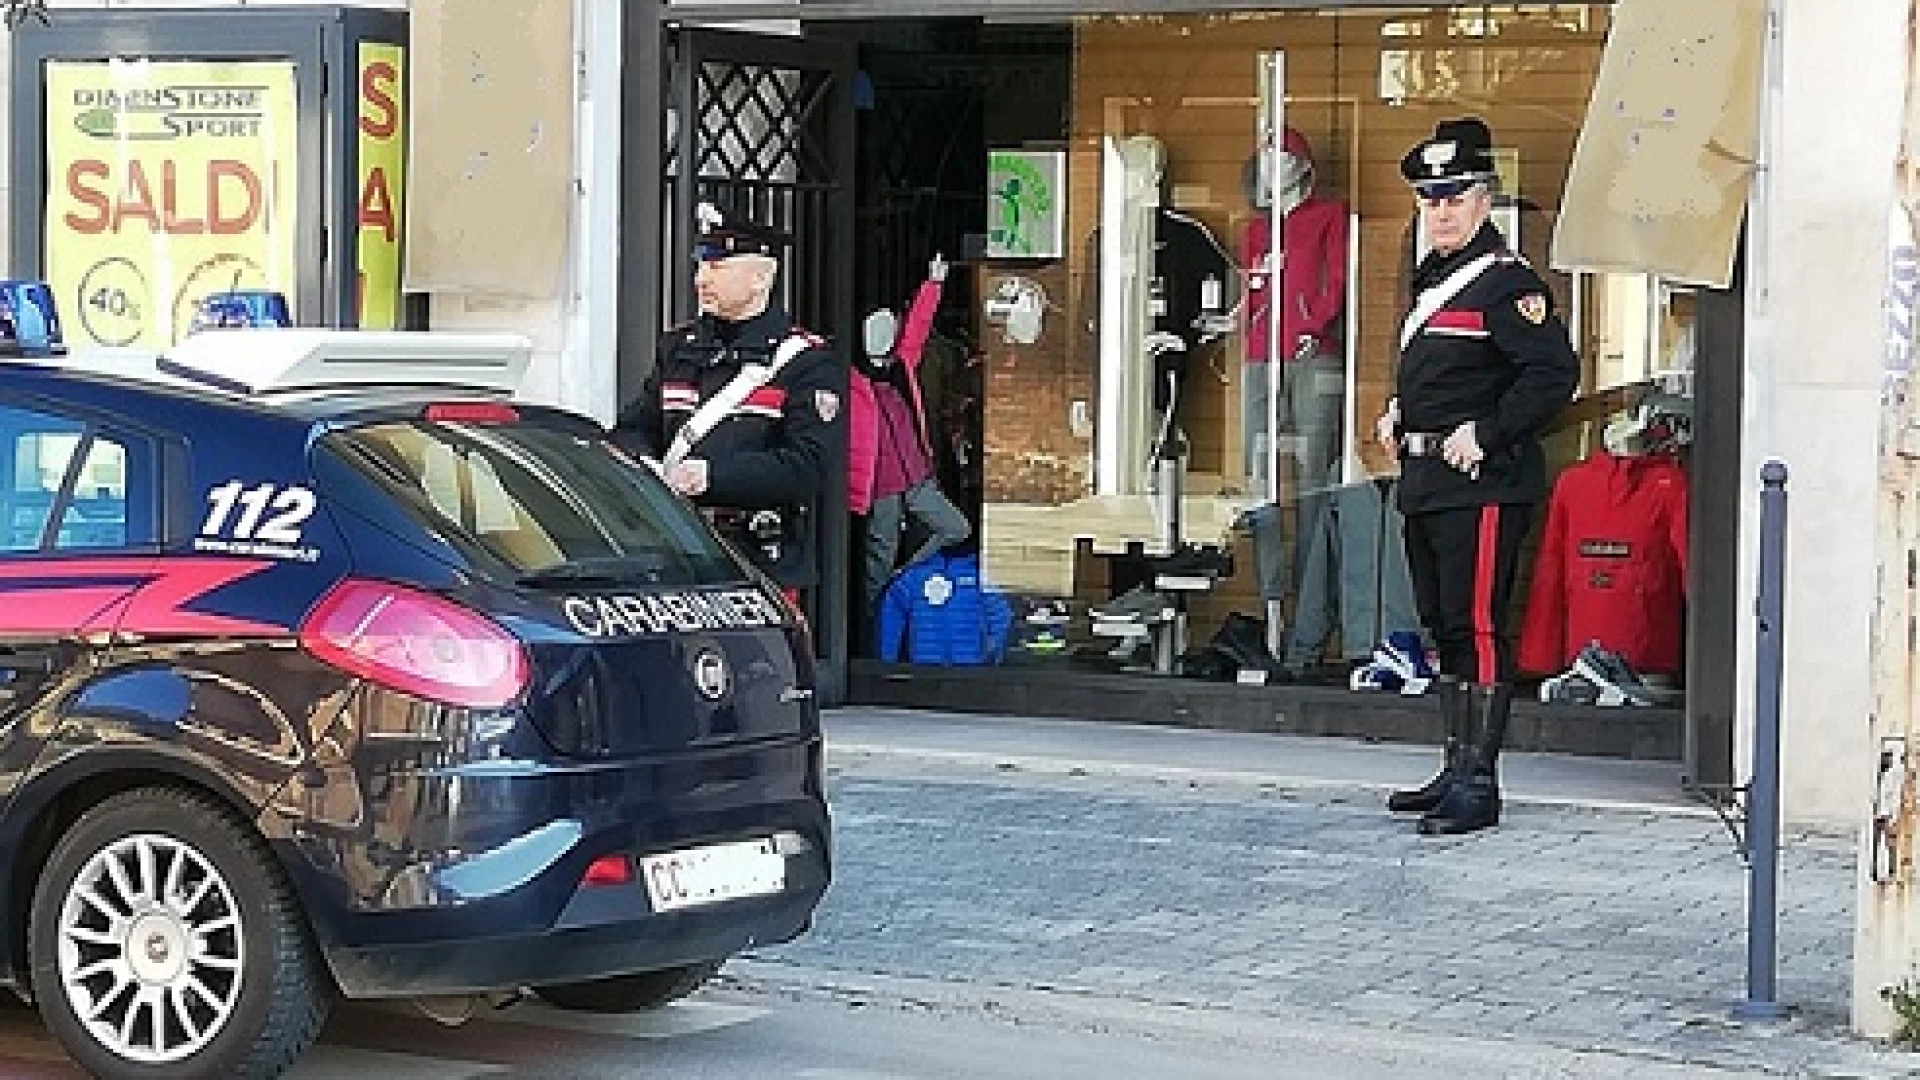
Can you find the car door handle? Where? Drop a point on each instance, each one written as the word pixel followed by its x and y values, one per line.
pixel 795 694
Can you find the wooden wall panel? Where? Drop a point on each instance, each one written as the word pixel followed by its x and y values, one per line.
pixel 1191 81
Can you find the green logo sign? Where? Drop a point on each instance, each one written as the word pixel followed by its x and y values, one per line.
pixel 1024 204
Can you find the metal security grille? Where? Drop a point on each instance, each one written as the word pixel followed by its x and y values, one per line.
pixel 771 137
pixel 760 122
pixel 920 192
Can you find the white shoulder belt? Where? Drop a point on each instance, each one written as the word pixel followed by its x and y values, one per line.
pixel 716 408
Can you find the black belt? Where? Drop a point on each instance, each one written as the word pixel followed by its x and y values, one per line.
pixel 1421 443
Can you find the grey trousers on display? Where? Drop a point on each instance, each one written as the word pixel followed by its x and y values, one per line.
pixel 1265 525
pixel 1256 387
pixel 1313 397
pixel 1316 406
pixel 1354 575
pixel 944 522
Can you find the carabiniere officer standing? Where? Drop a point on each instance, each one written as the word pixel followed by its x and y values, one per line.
pixel 1485 363
pixel 744 406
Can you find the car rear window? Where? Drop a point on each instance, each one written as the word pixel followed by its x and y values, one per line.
pixel 538 497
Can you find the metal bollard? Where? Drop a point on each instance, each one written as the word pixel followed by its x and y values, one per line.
pixel 1763 800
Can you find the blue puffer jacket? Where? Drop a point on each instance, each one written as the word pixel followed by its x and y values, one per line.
pixel 944 614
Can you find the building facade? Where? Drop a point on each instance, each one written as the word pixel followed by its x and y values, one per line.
pixel 1034 143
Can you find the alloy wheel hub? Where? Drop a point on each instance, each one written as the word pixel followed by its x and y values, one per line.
pixel 151 949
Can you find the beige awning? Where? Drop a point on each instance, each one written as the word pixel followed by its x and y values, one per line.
pixel 1660 175
pixel 490 166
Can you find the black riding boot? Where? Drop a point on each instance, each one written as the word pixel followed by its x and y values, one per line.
pixel 1427 796
pixel 1474 802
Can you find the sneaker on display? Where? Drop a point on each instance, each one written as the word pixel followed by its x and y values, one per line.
pixel 1192 560
pixel 1138 604
pixel 1569 688
pixel 1046 641
pixel 1242 640
pixel 1615 679
pixel 1626 678
pixel 1375 676
pixel 1406 655
pixel 1049 613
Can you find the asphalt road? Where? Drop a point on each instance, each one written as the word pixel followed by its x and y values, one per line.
pixel 1097 910
pixel 796 1026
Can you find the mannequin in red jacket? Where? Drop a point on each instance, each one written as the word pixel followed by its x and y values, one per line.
pixel 1612 565
pixel 1305 362
pixel 890 472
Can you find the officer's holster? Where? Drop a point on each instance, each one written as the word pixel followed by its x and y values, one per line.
pixel 774 539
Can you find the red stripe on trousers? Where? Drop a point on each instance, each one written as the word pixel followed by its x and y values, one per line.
pixel 1484 566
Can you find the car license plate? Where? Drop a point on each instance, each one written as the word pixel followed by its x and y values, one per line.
pixel 711 874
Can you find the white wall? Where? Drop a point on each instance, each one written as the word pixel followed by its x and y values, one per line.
pixel 1816 344
pixel 575 363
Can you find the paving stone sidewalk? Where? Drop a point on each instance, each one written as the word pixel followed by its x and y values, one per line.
pixel 1611 929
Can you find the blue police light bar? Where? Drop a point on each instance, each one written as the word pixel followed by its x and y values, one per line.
pixel 241 309
pixel 29 322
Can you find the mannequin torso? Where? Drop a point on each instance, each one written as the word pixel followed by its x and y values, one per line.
pixel 1313 278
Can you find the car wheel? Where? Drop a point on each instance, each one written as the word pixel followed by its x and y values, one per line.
pixel 165 944
pixel 629 993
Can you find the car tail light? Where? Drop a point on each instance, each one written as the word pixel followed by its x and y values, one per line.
pixel 472 412
pixel 608 870
pixel 416 643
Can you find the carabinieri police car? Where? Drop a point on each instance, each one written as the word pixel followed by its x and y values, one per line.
pixel 327 670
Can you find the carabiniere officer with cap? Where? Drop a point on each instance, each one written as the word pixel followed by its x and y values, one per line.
pixel 1485 363
pixel 741 408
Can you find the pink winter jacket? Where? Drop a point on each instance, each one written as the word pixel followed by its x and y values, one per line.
pixel 863 416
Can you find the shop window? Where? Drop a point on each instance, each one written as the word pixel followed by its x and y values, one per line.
pixel 1178 404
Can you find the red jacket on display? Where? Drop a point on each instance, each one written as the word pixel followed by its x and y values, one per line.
pixel 1612 565
pixel 1313 271
pixel 863 414
pixel 1313 277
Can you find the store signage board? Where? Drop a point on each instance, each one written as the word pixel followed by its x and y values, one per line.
pixel 167 181
pixel 381 130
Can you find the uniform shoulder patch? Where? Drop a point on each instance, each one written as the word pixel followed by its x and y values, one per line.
pixel 827 404
pixel 1532 307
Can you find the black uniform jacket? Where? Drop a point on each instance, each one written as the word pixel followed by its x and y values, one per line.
pixel 775 450
pixel 1496 354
